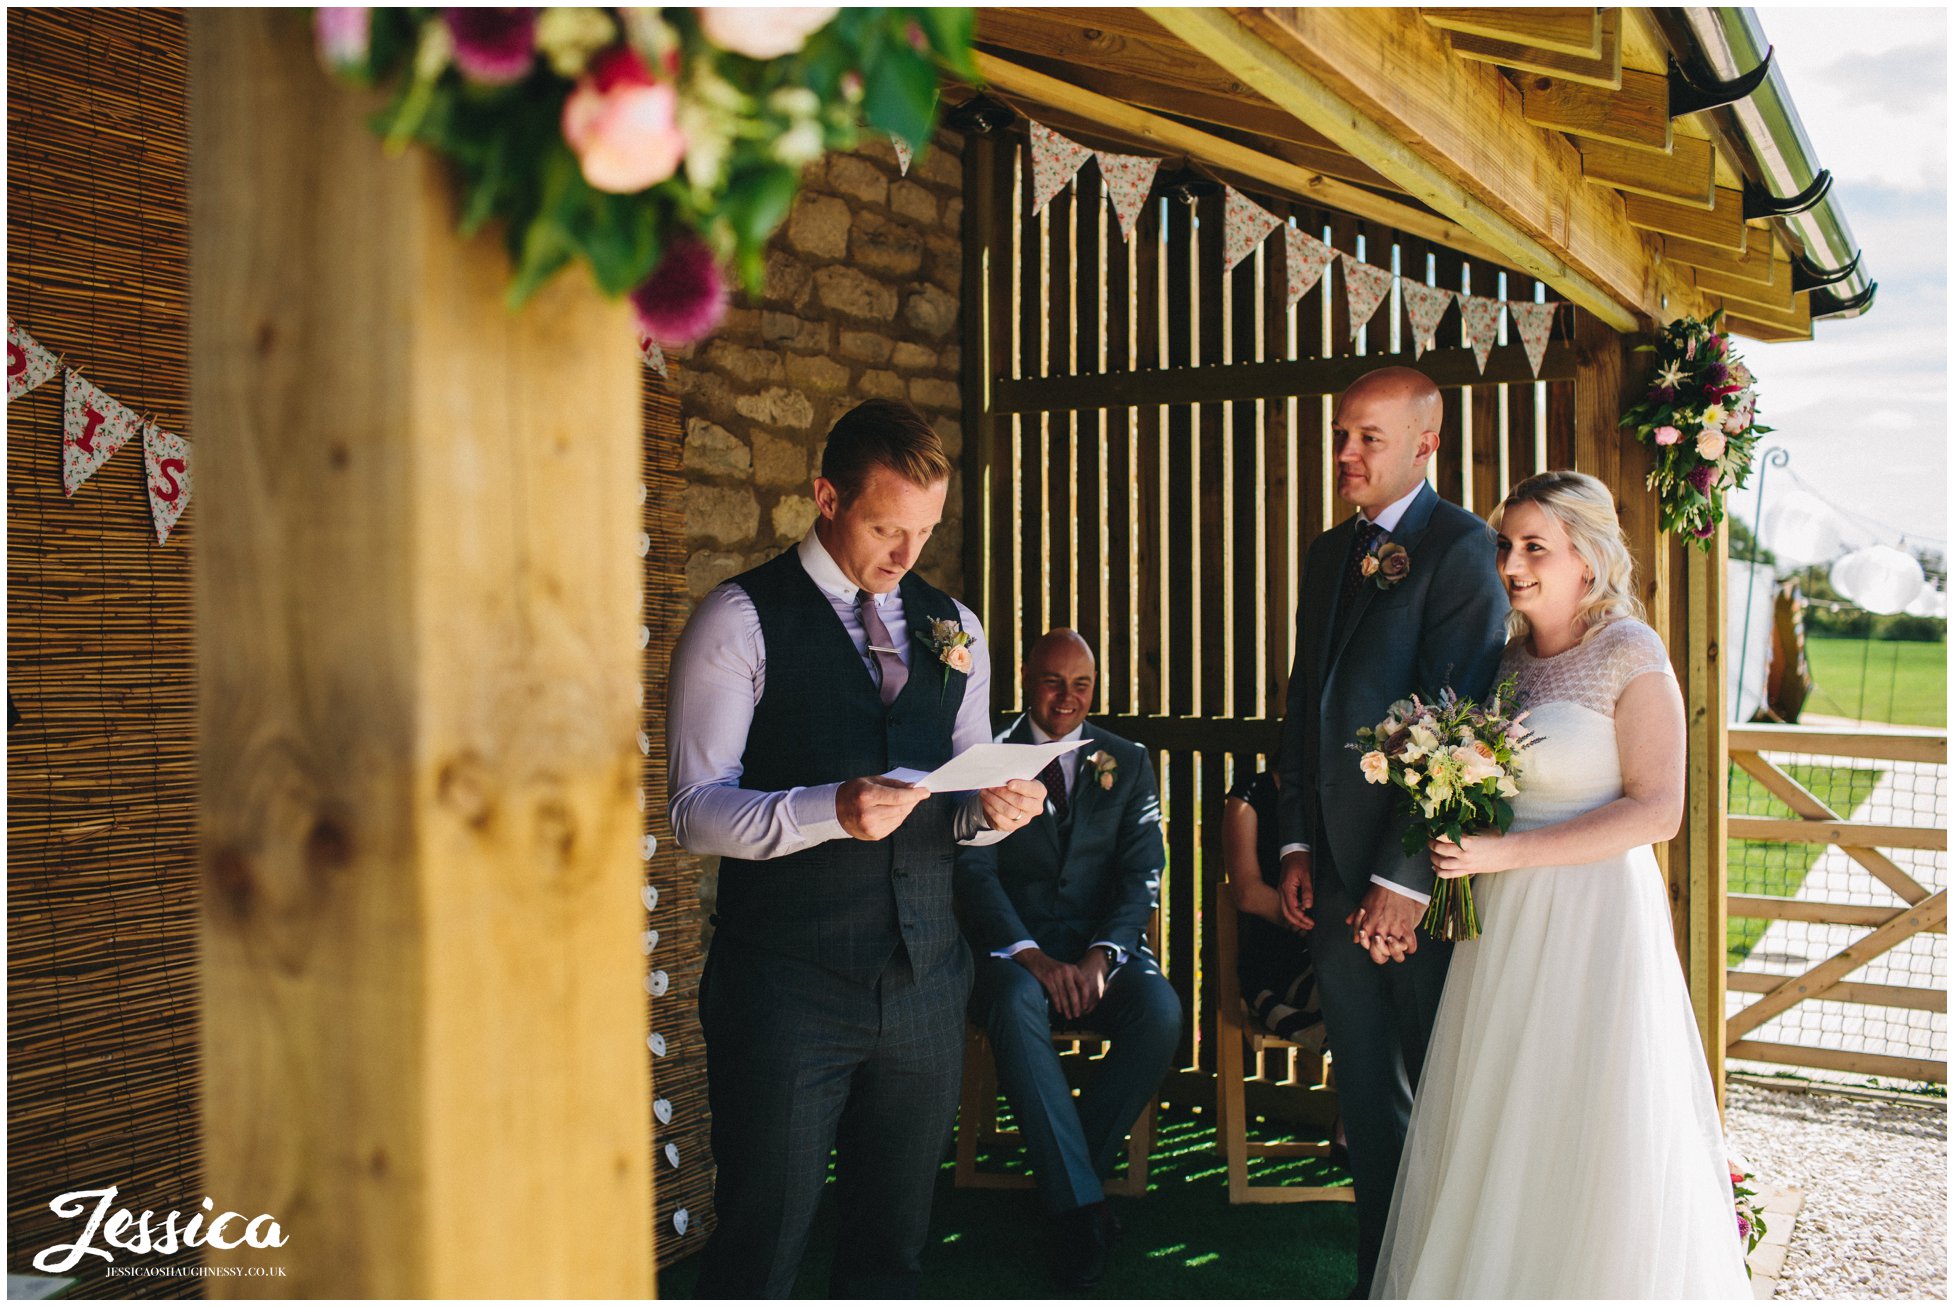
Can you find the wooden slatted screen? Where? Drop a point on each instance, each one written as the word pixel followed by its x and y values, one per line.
pixel 1150 446
pixel 101 770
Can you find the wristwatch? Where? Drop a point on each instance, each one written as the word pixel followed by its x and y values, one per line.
pixel 1112 954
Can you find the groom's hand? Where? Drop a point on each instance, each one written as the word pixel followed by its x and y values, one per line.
pixel 1386 923
pixel 1296 895
pixel 1012 804
pixel 871 807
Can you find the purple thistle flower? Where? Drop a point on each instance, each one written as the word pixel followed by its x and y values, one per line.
pixel 1716 374
pixel 1743 1229
pixel 1703 476
pixel 1704 530
pixel 492 46
pixel 685 297
pixel 1663 394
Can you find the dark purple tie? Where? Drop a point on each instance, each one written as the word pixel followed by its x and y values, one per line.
pixel 1053 779
pixel 894 674
pixel 1353 575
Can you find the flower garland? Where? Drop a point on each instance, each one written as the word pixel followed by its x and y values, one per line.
pixel 1700 417
pixel 660 146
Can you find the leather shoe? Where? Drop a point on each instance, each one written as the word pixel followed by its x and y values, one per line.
pixel 1080 1242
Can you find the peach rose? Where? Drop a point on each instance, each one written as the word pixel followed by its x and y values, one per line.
pixel 1377 768
pixel 622 124
pixel 958 658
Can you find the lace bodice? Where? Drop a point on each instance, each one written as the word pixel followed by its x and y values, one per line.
pixel 1592 673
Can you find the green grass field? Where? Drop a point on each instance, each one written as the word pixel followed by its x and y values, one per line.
pixel 1779 869
pixel 1899 681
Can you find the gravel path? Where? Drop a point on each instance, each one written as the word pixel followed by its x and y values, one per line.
pixel 1874 1223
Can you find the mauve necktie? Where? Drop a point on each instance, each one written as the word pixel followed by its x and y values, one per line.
pixel 1053 779
pixel 894 674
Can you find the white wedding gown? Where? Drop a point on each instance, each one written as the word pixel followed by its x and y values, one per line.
pixel 1565 1141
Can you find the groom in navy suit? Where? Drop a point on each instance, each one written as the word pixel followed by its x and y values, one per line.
pixel 1057 916
pixel 1402 597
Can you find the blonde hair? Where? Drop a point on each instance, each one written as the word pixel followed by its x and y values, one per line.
pixel 1586 511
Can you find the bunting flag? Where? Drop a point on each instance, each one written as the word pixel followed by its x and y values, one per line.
pixel 1308 257
pixel 653 356
pixel 28 364
pixel 1424 305
pixel 166 455
pixel 1482 325
pixel 1536 323
pixel 1054 160
pixel 1367 285
pixel 94 427
pixel 1129 180
pixel 1244 223
pixel 903 153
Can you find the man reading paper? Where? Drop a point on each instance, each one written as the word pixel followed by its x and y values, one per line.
pixel 832 999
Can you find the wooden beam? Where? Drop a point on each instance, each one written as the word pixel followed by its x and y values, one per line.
pixel 1846 991
pixel 1167 136
pixel 1862 834
pixel 1685 175
pixel 1603 69
pixel 1764 331
pixel 1898 744
pixel 1763 260
pixel 1157 58
pixel 423 1012
pixel 1307 377
pixel 1799 319
pixel 1832 1059
pixel 1786 789
pixel 1902 924
pixel 1451 136
pixel 1704 913
pixel 1575 31
pixel 1721 225
pixel 1774 298
pixel 1637 115
pixel 1765 907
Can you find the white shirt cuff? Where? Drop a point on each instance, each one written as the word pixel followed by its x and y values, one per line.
pixel 1119 954
pixel 1288 849
pixel 1012 950
pixel 1396 888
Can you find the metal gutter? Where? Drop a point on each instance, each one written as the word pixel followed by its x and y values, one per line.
pixel 1767 143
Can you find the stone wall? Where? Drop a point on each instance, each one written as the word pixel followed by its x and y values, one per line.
pixel 861 302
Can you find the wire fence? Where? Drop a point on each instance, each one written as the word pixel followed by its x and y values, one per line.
pixel 1894 1005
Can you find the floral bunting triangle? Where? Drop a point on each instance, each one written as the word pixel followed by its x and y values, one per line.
pixel 1536 323
pixel 903 153
pixel 28 362
pixel 1054 160
pixel 1366 285
pixel 653 355
pixel 1244 224
pixel 1129 180
pixel 93 428
pixel 1308 257
pixel 166 458
pixel 1424 305
pixel 1482 325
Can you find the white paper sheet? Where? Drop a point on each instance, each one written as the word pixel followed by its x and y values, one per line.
pixel 986 766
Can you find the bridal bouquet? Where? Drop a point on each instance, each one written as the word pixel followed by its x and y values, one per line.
pixel 1458 764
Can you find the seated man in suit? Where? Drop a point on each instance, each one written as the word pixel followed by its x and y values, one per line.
pixel 1057 915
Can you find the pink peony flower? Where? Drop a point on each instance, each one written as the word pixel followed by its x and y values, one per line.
pixel 762 33
pixel 1710 442
pixel 685 298
pixel 492 46
pixel 343 37
pixel 1667 435
pixel 622 124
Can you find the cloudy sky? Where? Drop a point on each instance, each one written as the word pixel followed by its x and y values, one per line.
pixel 1862 407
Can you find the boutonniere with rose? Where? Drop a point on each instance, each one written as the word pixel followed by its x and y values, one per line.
pixel 1105 768
pixel 1386 564
pixel 950 643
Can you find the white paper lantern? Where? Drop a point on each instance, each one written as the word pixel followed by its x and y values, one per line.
pixel 1928 603
pixel 1801 531
pixel 1879 578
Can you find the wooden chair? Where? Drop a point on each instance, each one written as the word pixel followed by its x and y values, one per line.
pixel 977 1118
pixel 1238 1027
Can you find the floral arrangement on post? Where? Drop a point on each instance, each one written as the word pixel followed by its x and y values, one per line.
pixel 1750 1221
pixel 1700 417
pixel 661 146
pixel 1457 764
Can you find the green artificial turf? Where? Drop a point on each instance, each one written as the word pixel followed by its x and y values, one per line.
pixel 1182 1240
pixel 1903 682
pixel 1779 869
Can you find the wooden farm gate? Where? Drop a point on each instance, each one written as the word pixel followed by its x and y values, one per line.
pixel 1149 456
pixel 1838 958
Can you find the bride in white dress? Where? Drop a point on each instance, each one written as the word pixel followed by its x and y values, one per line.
pixel 1565 1141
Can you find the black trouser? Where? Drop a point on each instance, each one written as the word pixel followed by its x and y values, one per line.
pixel 799 1062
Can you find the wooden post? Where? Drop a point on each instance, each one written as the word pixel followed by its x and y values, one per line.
pixel 423 1011
pixel 1704 831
